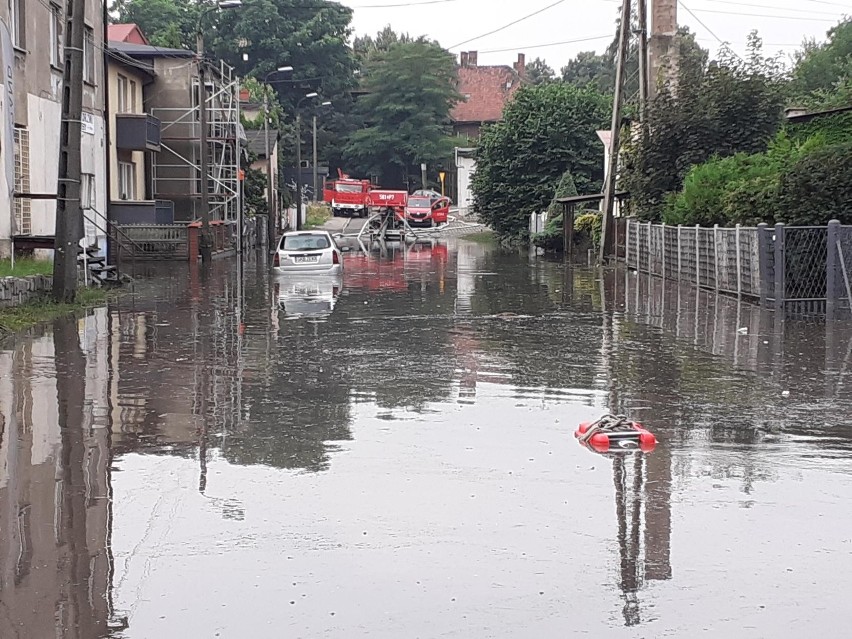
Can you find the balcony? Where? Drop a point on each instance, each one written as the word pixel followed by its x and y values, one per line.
pixel 137 132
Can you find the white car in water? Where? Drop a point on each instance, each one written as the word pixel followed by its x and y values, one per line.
pixel 308 252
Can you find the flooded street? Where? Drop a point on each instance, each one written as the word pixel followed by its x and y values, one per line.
pixel 237 455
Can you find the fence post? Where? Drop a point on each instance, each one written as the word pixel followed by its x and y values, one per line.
pixel 627 242
pixel 831 287
pixel 650 263
pixel 716 257
pixel 739 263
pixel 763 262
pixel 638 252
pixel 780 269
pixel 663 244
pixel 679 252
pixel 697 256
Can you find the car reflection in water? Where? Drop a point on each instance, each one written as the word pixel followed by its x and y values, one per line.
pixel 308 296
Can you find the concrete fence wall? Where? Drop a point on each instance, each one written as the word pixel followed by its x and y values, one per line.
pixel 15 291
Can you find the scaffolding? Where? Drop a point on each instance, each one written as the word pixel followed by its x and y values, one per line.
pixel 177 168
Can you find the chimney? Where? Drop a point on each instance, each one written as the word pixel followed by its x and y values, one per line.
pixel 472 58
pixel 464 58
pixel 521 65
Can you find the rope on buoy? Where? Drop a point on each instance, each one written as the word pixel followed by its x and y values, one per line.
pixel 607 424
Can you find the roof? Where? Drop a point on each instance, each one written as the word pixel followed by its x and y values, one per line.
pixel 130 33
pixel 148 51
pixel 796 117
pixel 486 90
pixel 142 67
pixel 256 141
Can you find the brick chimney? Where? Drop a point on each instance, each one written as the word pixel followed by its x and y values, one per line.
pixel 472 58
pixel 464 59
pixel 521 65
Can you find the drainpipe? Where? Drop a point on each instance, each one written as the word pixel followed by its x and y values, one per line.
pixel 107 129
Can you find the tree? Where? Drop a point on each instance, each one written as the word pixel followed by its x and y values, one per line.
pixel 590 69
pixel 409 91
pixel 366 47
pixel 166 23
pixel 822 69
pixel 539 72
pixel 546 130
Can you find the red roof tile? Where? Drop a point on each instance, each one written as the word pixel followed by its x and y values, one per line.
pixel 129 33
pixel 485 91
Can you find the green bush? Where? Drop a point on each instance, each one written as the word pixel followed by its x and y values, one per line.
pixel 818 187
pixel 587 232
pixel 587 227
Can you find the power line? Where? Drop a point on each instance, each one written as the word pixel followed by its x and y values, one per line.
pixel 511 24
pixel 765 6
pixel 549 44
pixel 400 4
pixel 765 15
pixel 701 22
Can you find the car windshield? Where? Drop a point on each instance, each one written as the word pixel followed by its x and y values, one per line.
pixel 306 242
pixel 419 202
pixel 347 188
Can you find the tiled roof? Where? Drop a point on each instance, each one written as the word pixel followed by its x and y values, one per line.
pixel 485 91
pixel 126 33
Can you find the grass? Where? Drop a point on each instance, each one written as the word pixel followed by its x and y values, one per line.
pixel 24 267
pixel 17 318
pixel 481 237
pixel 317 215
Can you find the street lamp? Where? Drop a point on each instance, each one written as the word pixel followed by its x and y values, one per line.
pixel 327 103
pixel 271 222
pixel 309 96
pixel 206 244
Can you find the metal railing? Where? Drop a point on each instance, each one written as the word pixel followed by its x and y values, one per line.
pixel 803 270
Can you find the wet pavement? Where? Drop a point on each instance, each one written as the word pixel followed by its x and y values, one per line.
pixel 237 455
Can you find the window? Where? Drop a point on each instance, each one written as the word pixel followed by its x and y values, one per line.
pixel 132 96
pixel 55 36
pixel 17 22
pixel 87 191
pixel 89 56
pixel 123 94
pixel 23 206
pixel 126 181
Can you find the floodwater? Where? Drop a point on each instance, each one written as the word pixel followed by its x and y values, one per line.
pixel 392 455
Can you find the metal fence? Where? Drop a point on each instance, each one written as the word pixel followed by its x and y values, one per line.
pixel 802 270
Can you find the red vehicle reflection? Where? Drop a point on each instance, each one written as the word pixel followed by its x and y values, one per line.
pixel 393 270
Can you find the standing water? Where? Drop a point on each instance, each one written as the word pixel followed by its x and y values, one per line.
pixel 233 454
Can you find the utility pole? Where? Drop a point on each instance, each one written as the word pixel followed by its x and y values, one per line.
pixel 615 130
pixel 298 170
pixel 271 225
pixel 316 174
pixel 69 214
pixel 206 243
pixel 642 11
pixel 423 180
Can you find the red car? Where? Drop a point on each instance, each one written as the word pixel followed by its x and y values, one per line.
pixel 422 210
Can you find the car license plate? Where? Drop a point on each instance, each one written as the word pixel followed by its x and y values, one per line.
pixel 306 259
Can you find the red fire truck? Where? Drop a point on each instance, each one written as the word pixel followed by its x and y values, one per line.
pixel 347 196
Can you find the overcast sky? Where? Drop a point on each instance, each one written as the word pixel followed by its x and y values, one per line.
pixel 781 23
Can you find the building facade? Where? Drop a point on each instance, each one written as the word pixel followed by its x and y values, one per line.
pixel 485 91
pixel 33 61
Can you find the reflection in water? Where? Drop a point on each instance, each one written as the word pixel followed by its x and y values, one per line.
pixel 423 356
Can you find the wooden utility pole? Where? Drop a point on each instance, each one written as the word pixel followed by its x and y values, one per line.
pixel 615 130
pixel 642 11
pixel 69 213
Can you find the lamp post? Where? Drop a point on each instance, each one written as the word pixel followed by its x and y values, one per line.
pixel 206 244
pixel 327 103
pixel 309 96
pixel 272 221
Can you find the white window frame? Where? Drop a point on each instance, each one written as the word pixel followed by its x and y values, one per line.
pixel 18 23
pixel 123 92
pixel 89 67
pixel 55 35
pixel 87 191
pixel 127 181
pixel 23 206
